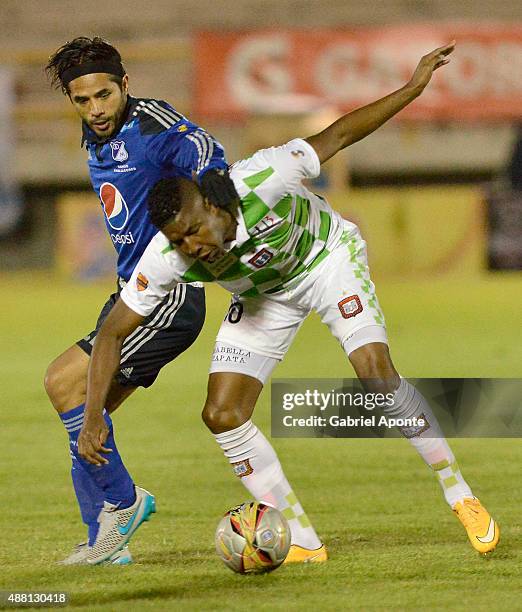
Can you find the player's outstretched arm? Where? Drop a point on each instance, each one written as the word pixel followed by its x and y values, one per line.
pixel 104 362
pixel 356 125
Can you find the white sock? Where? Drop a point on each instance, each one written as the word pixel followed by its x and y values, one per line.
pixel 255 462
pixel 430 443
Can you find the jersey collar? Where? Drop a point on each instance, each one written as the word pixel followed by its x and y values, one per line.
pixel 89 136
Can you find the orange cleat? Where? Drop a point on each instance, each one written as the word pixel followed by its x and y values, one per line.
pixel 298 554
pixel 483 532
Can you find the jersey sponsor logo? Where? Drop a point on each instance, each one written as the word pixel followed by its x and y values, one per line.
pixel 242 468
pixel 142 282
pixel 119 152
pixel 114 206
pixel 261 258
pixel 124 168
pixel 221 265
pixel 350 306
pixel 230 354
pixel 265 224
pixel 123 238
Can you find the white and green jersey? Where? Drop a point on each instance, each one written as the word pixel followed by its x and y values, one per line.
pixel 283 232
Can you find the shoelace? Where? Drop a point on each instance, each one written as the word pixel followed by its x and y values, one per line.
pixel 469 513
pixel 107 519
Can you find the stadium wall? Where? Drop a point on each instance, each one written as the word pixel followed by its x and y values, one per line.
pixel 156 42
pixel 410 232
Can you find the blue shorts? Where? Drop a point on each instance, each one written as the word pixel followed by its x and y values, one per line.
pixel 166 333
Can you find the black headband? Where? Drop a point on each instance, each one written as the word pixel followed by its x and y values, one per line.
pixel 70 74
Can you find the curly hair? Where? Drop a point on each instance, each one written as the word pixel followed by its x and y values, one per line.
pixel 79 51
pixel 164 202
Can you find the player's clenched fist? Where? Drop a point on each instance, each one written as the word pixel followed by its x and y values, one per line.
pixel 92 437
pixel 428 64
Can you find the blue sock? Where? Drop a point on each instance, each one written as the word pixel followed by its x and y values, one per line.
pixel 110 482
pixel 89 496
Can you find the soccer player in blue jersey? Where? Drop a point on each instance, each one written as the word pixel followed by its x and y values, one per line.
pixel 131 144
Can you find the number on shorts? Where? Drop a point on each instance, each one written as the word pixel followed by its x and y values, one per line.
pixel 235 312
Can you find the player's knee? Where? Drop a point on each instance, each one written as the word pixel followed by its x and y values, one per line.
pixel 63 386
pixel 216 416
pixel 220 417
pixel 53 383
pixel 374 367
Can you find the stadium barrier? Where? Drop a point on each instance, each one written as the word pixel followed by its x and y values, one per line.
pixel 409 231
pixel 83 250
pixel 419 230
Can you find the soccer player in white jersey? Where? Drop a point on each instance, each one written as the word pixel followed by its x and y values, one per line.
pixel 282 253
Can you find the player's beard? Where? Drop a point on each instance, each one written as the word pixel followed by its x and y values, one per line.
pixel 107 132
pixel 114 122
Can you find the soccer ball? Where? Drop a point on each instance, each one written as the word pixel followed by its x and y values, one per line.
pixel 253 538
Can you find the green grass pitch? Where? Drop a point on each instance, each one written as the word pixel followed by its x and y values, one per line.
pixel 394 545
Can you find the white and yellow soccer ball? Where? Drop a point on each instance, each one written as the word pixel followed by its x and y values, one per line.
pixel 253 538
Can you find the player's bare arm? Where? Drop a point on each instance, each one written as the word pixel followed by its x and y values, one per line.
pixel 103 365
pixel 358 124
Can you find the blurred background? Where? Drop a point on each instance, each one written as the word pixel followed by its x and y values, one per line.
pixel 436 191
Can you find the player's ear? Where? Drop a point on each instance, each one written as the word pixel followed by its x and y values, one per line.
pixel 212 209
pixel 125 83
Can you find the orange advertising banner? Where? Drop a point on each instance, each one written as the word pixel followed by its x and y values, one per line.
pixel 294 71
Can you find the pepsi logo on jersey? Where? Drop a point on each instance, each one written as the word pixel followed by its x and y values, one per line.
pixel 123 238
pixel 114 206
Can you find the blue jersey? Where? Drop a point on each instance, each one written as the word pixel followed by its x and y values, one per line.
pixel 154 142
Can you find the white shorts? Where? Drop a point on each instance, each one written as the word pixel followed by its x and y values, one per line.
pixel 258 331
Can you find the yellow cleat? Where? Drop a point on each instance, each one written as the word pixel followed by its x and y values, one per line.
pixel 298 554
pixel 483 532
